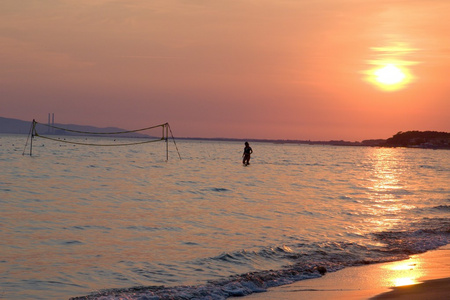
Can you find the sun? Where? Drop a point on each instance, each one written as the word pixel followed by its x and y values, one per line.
pixel 390 66
pixel 389 75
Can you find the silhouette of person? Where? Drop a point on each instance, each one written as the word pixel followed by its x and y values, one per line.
pixel 246 155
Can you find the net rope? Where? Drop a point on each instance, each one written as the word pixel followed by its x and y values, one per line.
pixel 93 144
pixel 165 128
pixel 35 133
pixel 92 132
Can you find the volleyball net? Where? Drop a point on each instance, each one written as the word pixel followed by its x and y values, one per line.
pixel 104 137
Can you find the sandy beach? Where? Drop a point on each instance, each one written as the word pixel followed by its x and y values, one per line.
pixel 422 276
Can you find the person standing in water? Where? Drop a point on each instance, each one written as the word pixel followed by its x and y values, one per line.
pixel 246 155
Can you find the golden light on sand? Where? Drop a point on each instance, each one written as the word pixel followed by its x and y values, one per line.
pixel 405 272
pixel 404 281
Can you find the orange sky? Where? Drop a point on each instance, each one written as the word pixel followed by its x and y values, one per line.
pixel 285 69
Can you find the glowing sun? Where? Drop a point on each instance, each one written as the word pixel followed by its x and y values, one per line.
pixel 389 75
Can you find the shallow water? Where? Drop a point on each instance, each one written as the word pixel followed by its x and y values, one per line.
pixel 78 219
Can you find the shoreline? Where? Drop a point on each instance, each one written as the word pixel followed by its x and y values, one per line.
pixel 422 274
pixel 434 289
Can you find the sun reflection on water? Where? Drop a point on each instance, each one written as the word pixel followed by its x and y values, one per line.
pixel 386 189
pixel 384 175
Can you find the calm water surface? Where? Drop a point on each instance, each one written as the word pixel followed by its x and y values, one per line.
pixel 77 219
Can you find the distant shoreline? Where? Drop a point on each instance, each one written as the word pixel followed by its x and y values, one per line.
pixel 341 143
pixel 366 143
pixel 408 139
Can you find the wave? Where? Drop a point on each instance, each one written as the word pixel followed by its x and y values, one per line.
pixel 442 208
pixel 304 261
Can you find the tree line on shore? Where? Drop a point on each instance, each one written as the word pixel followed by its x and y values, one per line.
pixel 420 139
pixel 413 139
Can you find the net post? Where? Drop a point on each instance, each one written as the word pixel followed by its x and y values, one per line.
pixel 33 130
pixel 171 133
pixel 166 126
pixel 30 134
pixel 31 145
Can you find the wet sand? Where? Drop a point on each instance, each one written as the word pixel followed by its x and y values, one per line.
pixel 432 289
pixel 423 276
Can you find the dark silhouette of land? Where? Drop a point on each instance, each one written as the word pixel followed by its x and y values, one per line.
pixel 411 139
pixel 420 139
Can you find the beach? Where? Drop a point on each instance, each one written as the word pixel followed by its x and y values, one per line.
pixel 422 276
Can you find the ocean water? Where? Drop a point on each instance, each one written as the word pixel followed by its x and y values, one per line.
pixel 122 223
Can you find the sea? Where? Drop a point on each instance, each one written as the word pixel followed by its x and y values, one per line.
pixel 89 222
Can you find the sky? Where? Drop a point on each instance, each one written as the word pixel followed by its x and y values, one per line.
pixel 285 69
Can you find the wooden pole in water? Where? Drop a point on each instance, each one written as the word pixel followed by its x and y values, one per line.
pixel 28 138
pixel 33 129
pixel 167 141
